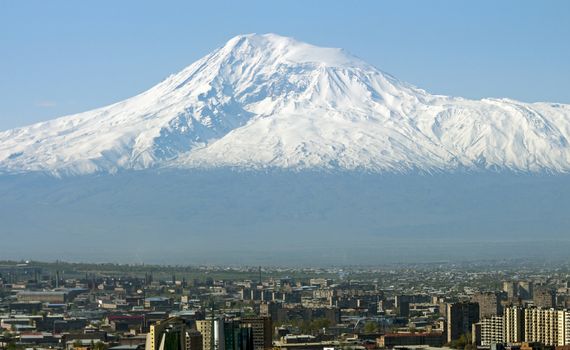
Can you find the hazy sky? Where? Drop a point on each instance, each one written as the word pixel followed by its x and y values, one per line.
pixel 62 57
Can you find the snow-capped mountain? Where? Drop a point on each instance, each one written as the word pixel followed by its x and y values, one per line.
pixel 264 101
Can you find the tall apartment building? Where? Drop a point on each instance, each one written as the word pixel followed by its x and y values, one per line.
pixel 525 290
pixel 212 334
pixel 460 318
pixel 513 320
pixel 402 303
pixel 532 325
pixel 262 330
pixel 489 331
pixel 489 304
pixel 194 340
pixel 541 325
pixel 511 288
pixel 548 326
pixel 518 289
pixel 170 334
pixel 237 336
pixel 544 297
pixel 247 333
pixel 564 327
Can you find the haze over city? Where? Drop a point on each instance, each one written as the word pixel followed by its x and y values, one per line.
pixel 270 132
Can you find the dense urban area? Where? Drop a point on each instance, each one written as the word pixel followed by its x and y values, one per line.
pixel 511 304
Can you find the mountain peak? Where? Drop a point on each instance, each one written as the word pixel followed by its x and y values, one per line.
pixel 288 50
pixel 265 100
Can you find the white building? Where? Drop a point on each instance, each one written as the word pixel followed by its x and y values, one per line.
pixel 492 330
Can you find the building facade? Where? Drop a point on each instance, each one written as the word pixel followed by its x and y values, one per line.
pixel 544 297
pixel 261 328
pixel 212 334
pixel 513 320
pixel 170 334
pixel 492 331
pixel 460 318
pixel 541 325
pixel 489 304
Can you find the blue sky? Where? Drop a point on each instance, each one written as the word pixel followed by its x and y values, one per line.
pixel 62 57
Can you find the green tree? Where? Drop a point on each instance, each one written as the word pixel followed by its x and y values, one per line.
pixel 321 323
pixel 370 327
pixel 100 346
pixel 463 342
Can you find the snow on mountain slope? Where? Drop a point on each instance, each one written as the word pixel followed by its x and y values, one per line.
pixel 270 101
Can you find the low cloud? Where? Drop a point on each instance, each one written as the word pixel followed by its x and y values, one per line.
pixel 46 104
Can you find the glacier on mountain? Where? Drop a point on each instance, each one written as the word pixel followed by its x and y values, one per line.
pixel 266 101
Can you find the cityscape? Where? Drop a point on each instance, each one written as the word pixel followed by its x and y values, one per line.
pixel 510 304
